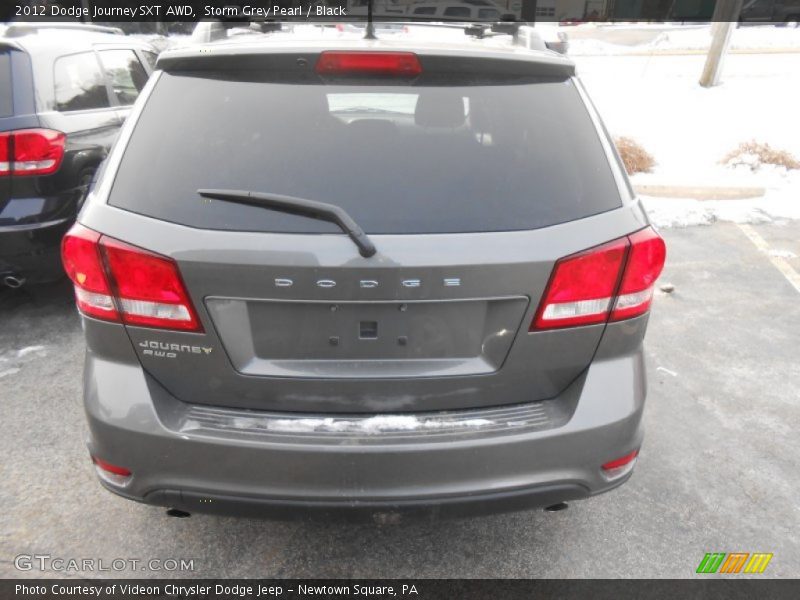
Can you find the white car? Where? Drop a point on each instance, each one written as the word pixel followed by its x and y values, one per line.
pixel 467 10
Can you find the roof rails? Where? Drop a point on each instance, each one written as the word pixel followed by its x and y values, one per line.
pixel 521 34
pixel 481 30
pixel 20 29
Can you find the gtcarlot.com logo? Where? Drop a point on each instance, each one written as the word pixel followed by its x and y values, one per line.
pixel 46 562
pixel 734 562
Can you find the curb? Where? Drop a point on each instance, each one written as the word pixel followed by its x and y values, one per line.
pixel 689 52
pixel 699 192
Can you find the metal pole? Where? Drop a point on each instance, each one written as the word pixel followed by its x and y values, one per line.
pixel 727 12
pixel 528 12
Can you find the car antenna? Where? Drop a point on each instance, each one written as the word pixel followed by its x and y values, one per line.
pixel 370 34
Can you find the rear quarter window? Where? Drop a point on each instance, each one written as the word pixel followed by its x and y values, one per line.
pixel 6 98
pixel 398 159
pixel 79 83
pixel 125 73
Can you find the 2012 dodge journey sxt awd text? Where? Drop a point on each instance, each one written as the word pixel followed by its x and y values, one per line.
pixel 323 272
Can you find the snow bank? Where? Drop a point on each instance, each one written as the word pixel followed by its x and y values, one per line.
pixel 776 206
pixel 610 39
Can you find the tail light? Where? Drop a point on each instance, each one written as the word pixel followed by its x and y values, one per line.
pixel 118 282
pixel 618 467
pixel 645 260
pixel 31 152
pixel 398 64
pixel 613 281
pixel 80 253
pixel 5 154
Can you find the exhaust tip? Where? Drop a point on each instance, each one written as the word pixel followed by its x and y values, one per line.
pixel 557 507
pixel 178 514
pixel 13 281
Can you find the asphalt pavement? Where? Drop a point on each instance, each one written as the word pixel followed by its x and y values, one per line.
pixel 719 470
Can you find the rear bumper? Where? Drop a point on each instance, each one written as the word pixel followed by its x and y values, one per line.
pixel 134 422
pixel 33 251
pixel 381 510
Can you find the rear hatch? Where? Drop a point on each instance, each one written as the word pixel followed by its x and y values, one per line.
pixel 471 178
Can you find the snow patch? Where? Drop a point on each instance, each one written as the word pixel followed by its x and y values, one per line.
pixel 782 254
pixel 776 205
pixel 31 349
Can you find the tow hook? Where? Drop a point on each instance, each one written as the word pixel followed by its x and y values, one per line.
pixel 557 507
pixel 178 514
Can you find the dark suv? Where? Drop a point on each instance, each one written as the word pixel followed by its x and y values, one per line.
pixel 323 272
pixel 64 92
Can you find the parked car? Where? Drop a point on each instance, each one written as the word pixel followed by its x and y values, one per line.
pixel 363 275
pixel 64 92
pixel 770 11
pixel 465 10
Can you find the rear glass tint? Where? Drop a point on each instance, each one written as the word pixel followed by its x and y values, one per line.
pixel 6 99
pixel 399 159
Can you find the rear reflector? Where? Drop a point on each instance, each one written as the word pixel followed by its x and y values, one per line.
pixel 398 64
pixel 620 466
pixel 31 152
pixel 613 280
pixel 118 282
pixel 111 473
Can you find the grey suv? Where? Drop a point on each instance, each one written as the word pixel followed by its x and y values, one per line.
pixel 323 272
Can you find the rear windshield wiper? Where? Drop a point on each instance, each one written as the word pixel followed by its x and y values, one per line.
pixel 299 206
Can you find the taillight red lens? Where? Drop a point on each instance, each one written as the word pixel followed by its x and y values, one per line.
pixel 614 469
pixel 148 287
pixel 645 262
pixel 80 254
pixel 581 288
pixel 117 282
pixel 113 474
pixel 621 461
pixel 5 154
pixel 613 280
pixel 108 467
pixel 36 151
pixel 400 64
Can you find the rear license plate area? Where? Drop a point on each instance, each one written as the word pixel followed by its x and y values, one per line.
pixel 353 331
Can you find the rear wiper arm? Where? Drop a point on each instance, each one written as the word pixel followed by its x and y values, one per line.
pixel 299 206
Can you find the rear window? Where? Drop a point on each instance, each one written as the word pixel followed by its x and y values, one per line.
pixel 6 99
pixel 398 159
pixel 457 11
